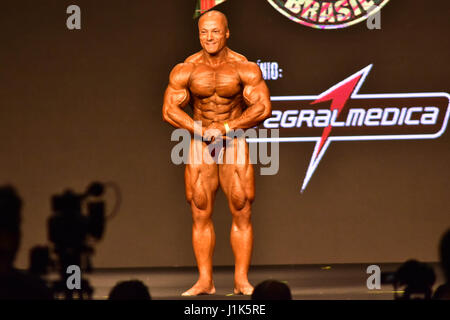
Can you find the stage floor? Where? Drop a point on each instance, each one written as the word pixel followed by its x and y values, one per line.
pixel 307 282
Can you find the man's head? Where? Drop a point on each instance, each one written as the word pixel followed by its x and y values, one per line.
pixel 213 31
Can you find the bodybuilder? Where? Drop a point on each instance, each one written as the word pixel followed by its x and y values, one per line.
pixel 226 92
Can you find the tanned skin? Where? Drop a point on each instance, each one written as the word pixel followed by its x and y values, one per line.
pixel 222 86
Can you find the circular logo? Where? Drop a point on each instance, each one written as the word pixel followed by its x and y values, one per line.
pixel 331 14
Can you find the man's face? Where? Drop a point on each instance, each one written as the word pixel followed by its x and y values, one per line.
pixel 213 34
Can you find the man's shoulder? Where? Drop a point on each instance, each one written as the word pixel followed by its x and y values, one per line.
pixel 245 68
pixel 249 72
pixel 249 66
pixel 242 62
pixel 236 57
pixel 183 67
pixel 194 58
pixel 181 73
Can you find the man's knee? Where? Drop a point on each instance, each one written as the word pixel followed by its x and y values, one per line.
pixel 201 206
pixel 201 218
pixel 242 217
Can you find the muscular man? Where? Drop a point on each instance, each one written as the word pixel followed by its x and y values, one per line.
pixel 226 93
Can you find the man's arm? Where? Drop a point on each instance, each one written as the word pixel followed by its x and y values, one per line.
pixel 177 97
pixel 256 96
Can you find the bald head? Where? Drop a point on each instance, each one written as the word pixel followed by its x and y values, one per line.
pixel 214 15
pixel 213 31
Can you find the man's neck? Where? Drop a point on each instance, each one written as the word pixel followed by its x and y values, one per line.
pixel 216 59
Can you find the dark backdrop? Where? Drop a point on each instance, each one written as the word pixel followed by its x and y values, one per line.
pixel 78 106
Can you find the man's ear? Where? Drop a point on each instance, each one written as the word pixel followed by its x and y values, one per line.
pixel 227 34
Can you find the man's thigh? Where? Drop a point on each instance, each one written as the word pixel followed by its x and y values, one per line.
pixel 201 177
pixel 236 177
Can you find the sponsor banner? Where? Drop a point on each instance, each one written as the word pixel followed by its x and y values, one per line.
pixel 342 114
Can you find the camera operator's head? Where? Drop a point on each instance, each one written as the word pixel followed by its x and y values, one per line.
pixel 272 290
pixel 130 290
pixel 418 279
pixel 10 218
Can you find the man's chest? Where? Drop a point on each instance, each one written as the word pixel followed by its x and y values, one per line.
pixel 223 80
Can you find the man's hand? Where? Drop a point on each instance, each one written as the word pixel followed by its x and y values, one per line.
pixel 214 131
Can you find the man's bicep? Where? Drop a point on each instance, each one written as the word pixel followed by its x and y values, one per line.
pixel 176 96
pixel 258 93
pixel 177 92
pixel 255 89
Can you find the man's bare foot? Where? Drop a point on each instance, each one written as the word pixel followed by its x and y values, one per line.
pixel 245 289
pixel 200 288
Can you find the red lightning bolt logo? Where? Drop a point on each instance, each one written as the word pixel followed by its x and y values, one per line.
pixel 338 95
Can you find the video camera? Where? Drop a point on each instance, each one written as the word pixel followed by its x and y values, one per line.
pixel 71 231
